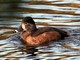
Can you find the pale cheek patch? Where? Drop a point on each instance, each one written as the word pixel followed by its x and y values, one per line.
pixel 24 27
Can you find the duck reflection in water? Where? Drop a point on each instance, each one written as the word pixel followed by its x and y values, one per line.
pixel 33 36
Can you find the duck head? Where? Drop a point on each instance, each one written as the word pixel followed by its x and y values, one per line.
pixel 27 24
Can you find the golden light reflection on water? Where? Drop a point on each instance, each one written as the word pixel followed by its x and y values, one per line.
pixel 63 14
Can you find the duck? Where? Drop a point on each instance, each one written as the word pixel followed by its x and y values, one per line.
pixel 34 36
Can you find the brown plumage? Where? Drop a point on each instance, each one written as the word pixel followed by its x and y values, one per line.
pixel 37 36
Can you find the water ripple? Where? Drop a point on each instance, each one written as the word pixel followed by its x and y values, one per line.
pixel 64 14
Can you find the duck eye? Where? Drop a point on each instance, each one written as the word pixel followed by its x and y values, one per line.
pixel 26 24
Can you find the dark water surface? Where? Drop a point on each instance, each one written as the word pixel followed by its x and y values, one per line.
pixel 64 14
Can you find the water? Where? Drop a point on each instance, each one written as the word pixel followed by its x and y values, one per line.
pixel 64 14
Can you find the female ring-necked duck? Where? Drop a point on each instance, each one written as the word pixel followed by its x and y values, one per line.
pixel 36 36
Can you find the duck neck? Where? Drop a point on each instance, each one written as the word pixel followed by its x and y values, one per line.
pixel 34 28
